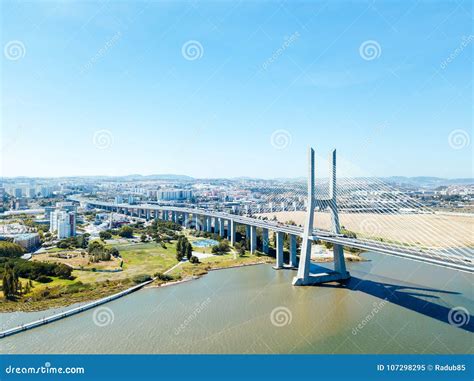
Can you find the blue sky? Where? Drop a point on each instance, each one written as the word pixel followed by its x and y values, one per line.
pixel 109 88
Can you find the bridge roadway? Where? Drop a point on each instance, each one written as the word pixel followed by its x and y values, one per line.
pixel 454 261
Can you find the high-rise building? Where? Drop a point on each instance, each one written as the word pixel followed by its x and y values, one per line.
pixel 63 223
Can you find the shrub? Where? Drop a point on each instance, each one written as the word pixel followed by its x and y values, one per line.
pixel 141 278
pixel 162 276
pixel 44 279
pixel 105 235
pixel 194 259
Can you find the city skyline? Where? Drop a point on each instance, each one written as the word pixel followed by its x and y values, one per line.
pixel 236 90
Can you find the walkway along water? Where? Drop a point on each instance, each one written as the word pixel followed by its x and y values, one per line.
pixel 77 310
pixel 72 311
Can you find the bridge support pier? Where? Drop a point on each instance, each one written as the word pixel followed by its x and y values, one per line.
pixel 279 250
pixel 216 225
pixel 253 239
pixel 292 239
pixel 265 240
pixel 303 276
pixel 221 227
pixel 232 231
pixel 229 227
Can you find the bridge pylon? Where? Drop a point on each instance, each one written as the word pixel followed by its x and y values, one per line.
pixel 304 277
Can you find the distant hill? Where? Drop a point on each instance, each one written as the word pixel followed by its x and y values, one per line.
pixel 426 181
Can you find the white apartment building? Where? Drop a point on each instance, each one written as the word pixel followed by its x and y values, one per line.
pixel 63 223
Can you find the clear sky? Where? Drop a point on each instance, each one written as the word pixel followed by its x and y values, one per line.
pixel 224 89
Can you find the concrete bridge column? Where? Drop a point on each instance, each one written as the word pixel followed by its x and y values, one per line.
pixel 165 215
pixel 229 233
pixel 279 250
pixel 292 250
pixel 221 227
pixel 186 220
pixel 253 239
pixel 232 231
pixel 265 240
pixel 148 214
pixel 208 224
pixel 247 234
pixel 216 225
pixel 157 214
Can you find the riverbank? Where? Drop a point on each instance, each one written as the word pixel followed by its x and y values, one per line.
pixel 149 258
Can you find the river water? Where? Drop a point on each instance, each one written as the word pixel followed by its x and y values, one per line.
pixel 390 305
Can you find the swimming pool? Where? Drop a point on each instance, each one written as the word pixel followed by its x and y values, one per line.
pixel 205 243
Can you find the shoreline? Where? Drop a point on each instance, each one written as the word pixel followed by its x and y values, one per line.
pixel 326 258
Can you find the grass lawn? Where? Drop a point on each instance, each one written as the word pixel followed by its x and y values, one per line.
pixel 138 258
pixel 219 261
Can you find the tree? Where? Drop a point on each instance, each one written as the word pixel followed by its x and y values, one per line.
pixel 105 235
pixel 179 256
pixel 221 248
pixel 10 249
pixel 189 250
pixel 240 249
pixel 126 232
pixel 143 238
pixel 10 283
pixel 194 259
pixel 114 252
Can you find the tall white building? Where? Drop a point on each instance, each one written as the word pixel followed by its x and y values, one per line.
pixel 63 223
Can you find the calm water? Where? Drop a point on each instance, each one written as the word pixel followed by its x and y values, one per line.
pixel 230 311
